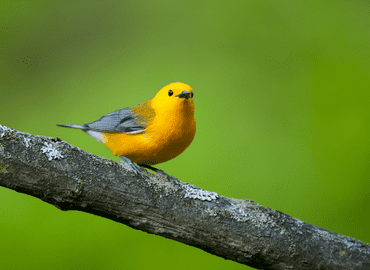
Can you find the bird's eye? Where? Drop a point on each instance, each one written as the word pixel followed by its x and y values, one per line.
pixel 192 94
pixel 170 93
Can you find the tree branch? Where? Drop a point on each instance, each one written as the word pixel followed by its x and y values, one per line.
pixel 239 230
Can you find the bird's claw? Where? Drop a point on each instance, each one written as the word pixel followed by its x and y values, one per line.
pixel 135 169
pixel 153 169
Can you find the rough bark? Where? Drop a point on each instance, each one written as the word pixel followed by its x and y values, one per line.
pixel 239 230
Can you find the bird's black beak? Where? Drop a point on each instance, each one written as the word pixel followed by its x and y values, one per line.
pixel 184 94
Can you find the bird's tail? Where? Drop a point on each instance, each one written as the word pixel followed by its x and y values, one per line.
pixel 83 127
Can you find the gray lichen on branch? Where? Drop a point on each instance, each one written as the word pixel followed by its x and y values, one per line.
pixel 235 229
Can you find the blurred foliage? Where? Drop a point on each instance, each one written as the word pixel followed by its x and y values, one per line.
pixel 282 96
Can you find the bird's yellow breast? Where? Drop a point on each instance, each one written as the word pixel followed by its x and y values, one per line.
pixel 167 135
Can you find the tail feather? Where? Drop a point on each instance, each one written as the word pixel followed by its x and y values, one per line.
pixel 83 127
pixel 97 135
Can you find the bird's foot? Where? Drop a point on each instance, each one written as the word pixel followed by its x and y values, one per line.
pixel 135 169
pixel 153 169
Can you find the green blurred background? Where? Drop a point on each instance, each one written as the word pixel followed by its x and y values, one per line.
pixel 281 88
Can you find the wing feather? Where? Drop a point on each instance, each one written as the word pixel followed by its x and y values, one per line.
pixel 128 120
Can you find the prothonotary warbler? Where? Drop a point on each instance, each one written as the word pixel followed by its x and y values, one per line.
pixel 151 132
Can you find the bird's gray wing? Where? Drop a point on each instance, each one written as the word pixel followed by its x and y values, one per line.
pixel 128 120
pixel 118 121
